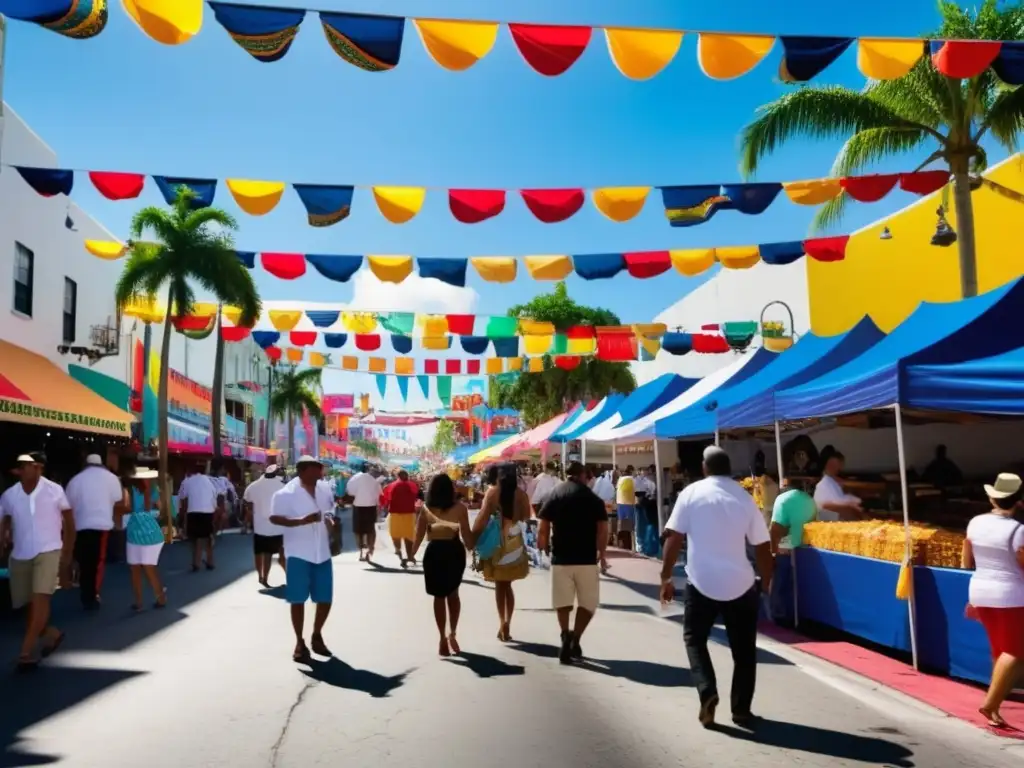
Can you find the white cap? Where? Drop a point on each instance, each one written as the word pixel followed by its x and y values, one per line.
pixel 307 459
pixel 93 460
pixel 270 469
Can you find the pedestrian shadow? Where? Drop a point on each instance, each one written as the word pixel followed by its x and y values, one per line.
pixel 278 591
pixel 640 672
pixel 822 741
pixel 486 666
pixel 33 697
pixel 337 673
pixel 378 568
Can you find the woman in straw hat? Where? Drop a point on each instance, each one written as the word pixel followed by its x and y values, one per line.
pixel 145 538
pixel 994 549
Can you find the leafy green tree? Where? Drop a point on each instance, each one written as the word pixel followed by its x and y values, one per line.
pixel 444 438
pixel 186 248
pixel 295 391
pixel 925 111
pixel 368 448
pixel 542 396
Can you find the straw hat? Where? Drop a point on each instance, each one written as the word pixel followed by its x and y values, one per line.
pixel 1006 485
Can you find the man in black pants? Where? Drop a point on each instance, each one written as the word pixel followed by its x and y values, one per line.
pixel 93 494
pixel 718 518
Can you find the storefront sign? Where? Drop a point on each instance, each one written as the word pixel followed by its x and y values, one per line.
pixel 29 411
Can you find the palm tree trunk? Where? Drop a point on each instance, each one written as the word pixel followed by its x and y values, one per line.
pixel 217 406
pixel 163 431
pixel 965 228
pixel 291 437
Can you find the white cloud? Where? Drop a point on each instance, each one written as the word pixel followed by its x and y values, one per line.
pixel 414 294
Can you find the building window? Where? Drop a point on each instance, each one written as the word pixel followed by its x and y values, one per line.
pixel 24 269
pixel 70 309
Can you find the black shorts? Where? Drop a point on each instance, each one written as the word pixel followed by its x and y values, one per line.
pixel 364 520
pixel 266 545
pixel 199 525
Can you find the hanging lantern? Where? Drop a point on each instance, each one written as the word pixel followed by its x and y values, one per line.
pixel 944 235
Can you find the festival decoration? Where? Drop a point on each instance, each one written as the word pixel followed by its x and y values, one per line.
pixel 373 43
pixel 685 206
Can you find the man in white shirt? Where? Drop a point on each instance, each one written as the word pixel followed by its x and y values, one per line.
pixel 37 526
pixel 365 492
pixel 199 501
pixel 268 539
pixel 226 489
pixel 546 483
pixel 305 510
pixel 93 494
pixel 833 502
pixel 718 518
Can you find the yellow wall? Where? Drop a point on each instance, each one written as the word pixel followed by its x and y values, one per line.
pixel 887 279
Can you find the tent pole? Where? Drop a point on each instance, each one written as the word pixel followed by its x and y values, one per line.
pixel 778 454
pixel 718 440
pixel 792 552
pixel 657 488
pixel 565 452
pixel 583 451
pixel 614 456
pixel 911 603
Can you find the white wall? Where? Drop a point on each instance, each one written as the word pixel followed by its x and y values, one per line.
pixel 38 223
pixel 731 295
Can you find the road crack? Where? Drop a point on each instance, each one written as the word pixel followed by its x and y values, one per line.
pixel 276 749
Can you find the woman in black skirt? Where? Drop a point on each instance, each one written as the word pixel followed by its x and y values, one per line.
pixel 444 522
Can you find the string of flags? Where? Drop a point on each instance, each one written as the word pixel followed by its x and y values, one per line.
pixel 374 43
pixel 504 269
pixel 328 204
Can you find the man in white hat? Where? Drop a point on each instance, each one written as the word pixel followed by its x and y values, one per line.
pixel 305 510
pixel 93 493
pixel 268 539
pixel 37 521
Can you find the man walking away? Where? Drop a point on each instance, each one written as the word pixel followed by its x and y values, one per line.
pixel 225 495
pixel 305 510
pixel 719 518
pixel 93 494
pixel 546 483
pixel 575 522
pixel 365 491
pixel 199 502
pixel 268 539
pixel 625 499
pixel 37 521
pixel 400 498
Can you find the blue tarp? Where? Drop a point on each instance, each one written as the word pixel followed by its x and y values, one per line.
pixel 936 334
pixel 651 396
pixel 753 404
pixel 604 411
pixel 700 418
pixel 993 385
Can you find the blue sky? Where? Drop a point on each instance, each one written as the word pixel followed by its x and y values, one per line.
pixel 206 109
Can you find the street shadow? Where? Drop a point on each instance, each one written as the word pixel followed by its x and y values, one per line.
pixel 278 591
pixel 378 568
pixel 641 609
pixel 822 741
pixel 337 673
pixel 640 672
pixel 718 637
pixel 31 697
pixel 485 666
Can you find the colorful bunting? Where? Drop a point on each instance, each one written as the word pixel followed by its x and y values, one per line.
pixel 553 205
pixel 287 266
pixel 171 22
pixel 457 45
pixel 549 49
pixel 47 182
pixel 264 33
pixel 804 58
pixel 471 206
pixel 620 204
pixel 323 318
pixel 450 271
pixel 118 186
pixel 963 58
pixel 640 54
pixel 337 268
pixel 257 198
pixel 390 269
pixel 725 56
pixel 204 189
pixel 372 43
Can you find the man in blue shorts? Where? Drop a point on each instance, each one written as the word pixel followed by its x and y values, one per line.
pixel 304 508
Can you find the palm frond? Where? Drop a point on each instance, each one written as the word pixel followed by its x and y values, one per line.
pixel 311 405
pixel 1005 119
pixel 154 220
pixel 141 276
pixel 197 220
pixel 815 113
pixel 218 271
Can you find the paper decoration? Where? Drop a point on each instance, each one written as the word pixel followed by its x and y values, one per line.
pixel 457 45
pixel 257 198
pixel 640 54
pixel 118 186
pixel 171 22
pixel 390 269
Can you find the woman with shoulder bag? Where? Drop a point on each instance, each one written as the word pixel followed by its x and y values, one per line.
pixel 994 549
pixel 499 533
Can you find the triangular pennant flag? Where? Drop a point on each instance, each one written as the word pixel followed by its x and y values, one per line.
pixel 444 390
pixel 382 384
pixel 424 382
pixel 403 387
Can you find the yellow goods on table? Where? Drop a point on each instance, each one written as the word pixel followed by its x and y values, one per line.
pixel 883 540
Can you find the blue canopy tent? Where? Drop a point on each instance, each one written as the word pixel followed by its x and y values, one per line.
pixel 753 404
pixel 991 385
pixel 599 414
pixel 574 417
pixel 699 418
pixel 651 396
pixel 935 334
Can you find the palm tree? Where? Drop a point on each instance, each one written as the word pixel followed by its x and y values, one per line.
pixel 188 246
pixel 924 110
pixel 295 391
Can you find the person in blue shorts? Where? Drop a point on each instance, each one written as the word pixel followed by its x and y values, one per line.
pixel 304 508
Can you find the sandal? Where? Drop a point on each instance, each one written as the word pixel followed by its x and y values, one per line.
pixel 995 720
pixel 27 663
pixel 53 647
pixel 301 655
pixel 319 647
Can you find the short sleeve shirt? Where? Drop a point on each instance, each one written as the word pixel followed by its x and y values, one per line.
pixel 200 493
pixel 829 491
pixel 37 518
pixel 260 494
pixel 364 489
pixel 93 492
pixel 793 510
pixel 305 542
pixel 625 491
pixel 574 512
pixel 719 518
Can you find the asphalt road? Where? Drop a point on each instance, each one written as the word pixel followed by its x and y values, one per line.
pixel 210 682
